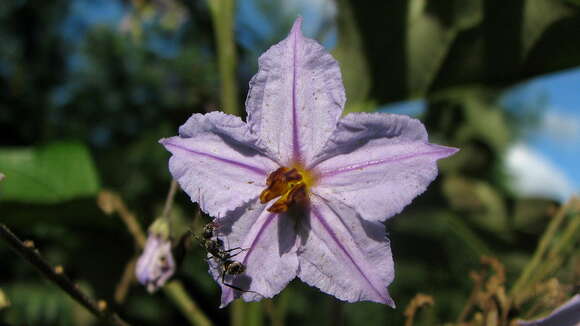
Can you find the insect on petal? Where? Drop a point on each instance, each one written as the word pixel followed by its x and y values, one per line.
pixel 267 243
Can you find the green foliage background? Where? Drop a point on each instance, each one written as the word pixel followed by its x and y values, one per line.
pixel 82 112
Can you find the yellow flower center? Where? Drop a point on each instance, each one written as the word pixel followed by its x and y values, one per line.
pixel 290 184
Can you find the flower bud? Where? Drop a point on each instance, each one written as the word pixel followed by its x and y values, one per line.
pixel 156 264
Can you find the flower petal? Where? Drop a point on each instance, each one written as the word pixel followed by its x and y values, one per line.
pixel 217 162
pixel 377 163
pixel 269 252
pixel 344 255
pixel 296 98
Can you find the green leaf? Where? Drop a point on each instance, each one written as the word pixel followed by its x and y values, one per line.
pixel 419 48
pixel 47 174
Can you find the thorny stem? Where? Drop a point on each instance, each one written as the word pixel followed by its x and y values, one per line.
pixel 543 245
pixel 27 251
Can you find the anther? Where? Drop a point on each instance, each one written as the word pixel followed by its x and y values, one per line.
pixel 289 185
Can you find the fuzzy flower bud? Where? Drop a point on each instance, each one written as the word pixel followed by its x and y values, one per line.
pixel 156 264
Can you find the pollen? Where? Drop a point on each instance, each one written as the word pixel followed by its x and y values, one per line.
pixel 290 184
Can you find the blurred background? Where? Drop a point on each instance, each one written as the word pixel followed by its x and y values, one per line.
pixel 88 87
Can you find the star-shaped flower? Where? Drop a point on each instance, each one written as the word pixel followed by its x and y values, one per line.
pixel 300 189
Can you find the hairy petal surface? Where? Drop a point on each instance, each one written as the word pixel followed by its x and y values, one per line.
pixel 269 253
pixel 217 162
pixel 377 163
pixel 344 255
pixel 296 98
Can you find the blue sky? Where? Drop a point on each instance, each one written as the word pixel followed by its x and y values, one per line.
pixel 547 159
pixel 559 136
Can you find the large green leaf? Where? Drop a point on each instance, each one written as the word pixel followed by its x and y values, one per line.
pixel 47 174
pixel 416 47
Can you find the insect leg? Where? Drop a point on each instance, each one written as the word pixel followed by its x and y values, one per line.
pixel 235 287
pixel 234 254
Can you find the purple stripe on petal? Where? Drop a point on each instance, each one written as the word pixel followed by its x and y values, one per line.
pixel 337 213
pixel 332 234
pixel 357 166
pixel 269 220
pixel 225 160
pixel 295 99
pixel 295 139
pixel 228 292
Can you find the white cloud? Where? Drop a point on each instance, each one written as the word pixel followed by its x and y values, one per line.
pixel 534 175
pixel 561 126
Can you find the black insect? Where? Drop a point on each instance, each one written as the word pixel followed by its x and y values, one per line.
pixel 215 248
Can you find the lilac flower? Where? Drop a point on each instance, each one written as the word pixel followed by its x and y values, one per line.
pixel 301 189
pixel 156 264
pixel 567 314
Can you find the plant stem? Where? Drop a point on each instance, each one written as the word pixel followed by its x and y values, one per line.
pixel 419 301
pixel 237 313
pixel 122 288
pixel 568 237
pixel 254 314
pixel 188 307
pixel 170 199
pixel 27 251
pixel 275 311
pixel 556 255
pixel 222 12
pixel 543 245
pixel 110 202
